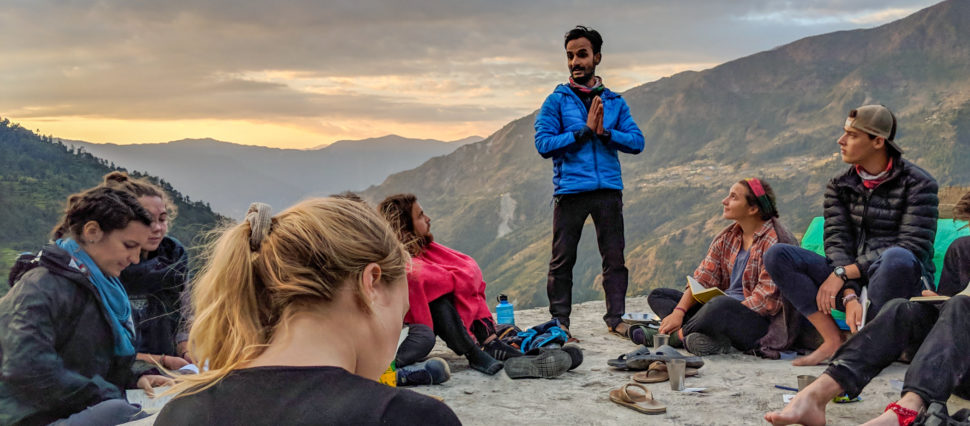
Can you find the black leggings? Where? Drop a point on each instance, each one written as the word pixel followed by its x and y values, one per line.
pixel 421 338
pixel 722 316
pixel 416 346
pixel 448 325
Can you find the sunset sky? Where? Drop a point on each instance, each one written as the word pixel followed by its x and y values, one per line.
pixel 299 74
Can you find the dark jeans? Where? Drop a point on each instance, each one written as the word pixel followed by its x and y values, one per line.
pixel 417 345
pixel 799 273
pixel 939 337
pixel 569 215
pixel 722 316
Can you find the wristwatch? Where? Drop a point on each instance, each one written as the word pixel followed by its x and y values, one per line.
pixel 840 272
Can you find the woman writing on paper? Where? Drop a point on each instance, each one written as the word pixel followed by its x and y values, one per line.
pixel 734 263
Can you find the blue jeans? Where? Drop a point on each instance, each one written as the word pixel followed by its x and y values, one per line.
pixel 799 273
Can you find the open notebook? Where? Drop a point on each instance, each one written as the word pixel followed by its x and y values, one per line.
pixel 701 294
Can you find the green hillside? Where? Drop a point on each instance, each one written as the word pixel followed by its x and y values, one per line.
pixel 37 173
pixel 775 114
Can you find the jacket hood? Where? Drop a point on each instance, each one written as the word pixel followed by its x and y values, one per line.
pixel 58 262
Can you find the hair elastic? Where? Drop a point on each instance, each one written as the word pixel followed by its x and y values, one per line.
pixel 260 218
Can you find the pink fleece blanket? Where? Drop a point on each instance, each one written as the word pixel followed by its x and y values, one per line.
pixel 438 271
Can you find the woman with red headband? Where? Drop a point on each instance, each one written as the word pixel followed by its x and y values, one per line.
pixel 734 264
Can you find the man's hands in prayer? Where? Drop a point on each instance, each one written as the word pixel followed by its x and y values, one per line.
pixel 594 119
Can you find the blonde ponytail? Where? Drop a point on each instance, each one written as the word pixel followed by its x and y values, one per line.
pixel 245 291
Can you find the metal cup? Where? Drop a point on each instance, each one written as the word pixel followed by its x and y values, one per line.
pixel 660 339
pixel 804 380
pixel 677 370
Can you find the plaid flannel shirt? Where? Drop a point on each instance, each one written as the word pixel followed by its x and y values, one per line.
pixel 760 292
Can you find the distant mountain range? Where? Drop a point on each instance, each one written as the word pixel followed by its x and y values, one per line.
pixel 230 176
pixel 775 114
pixel 37 173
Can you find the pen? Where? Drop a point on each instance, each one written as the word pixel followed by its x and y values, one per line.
pixel 786 388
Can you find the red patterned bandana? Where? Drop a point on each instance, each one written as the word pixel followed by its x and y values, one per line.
pixel 595 90
pixel 872 181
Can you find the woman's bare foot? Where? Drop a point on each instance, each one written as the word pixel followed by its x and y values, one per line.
pixel 889 418
pixel 821 354
pixel 831 340
pixel 808 407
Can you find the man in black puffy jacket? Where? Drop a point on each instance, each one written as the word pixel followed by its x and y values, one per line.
pixel 880 224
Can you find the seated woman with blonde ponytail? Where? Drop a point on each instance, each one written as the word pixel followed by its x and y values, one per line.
pixel 297 315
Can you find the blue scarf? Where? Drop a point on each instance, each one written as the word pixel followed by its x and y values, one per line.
pixel 113 296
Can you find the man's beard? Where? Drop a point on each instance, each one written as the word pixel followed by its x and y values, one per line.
pixel 425 241
pixel 587 76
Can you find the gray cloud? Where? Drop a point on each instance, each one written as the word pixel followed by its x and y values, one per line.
pixel 202 59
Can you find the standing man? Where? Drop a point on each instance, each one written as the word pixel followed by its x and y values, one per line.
pixel 880 224
pixel 581 126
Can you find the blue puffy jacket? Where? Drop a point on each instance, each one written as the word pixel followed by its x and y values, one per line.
pixel 585 165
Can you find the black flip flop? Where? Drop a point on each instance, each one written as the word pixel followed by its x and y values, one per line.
pixel 664 353
pixel 621 361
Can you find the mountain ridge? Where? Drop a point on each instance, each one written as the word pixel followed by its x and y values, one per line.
pixel 231 176
pixel 774 114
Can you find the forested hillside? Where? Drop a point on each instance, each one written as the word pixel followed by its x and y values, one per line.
pixel 37 173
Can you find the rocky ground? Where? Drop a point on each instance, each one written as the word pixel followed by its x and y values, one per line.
pixel 739 388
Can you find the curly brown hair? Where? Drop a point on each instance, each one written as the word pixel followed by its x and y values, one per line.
pixel 397 210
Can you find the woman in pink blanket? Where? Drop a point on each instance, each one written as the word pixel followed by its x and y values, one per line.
pixel 445 289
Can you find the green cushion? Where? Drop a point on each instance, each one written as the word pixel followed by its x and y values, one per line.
pixel 947 230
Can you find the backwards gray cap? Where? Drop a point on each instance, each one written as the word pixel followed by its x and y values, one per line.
pixel 875 120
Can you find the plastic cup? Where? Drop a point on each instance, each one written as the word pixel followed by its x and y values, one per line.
pixel 677 370
pixel 660 339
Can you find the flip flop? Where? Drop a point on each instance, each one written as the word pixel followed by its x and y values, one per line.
pixel 643 403
pixel 621 361
pixel 658 373
pixel 655 374
pixel 664 353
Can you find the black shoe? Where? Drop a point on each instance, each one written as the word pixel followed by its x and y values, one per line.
pixel 501 350
pixel 546 365
pixel 702 345
pixel 575 354
pixel 642 335
pixel 434 371
pixel 481 361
